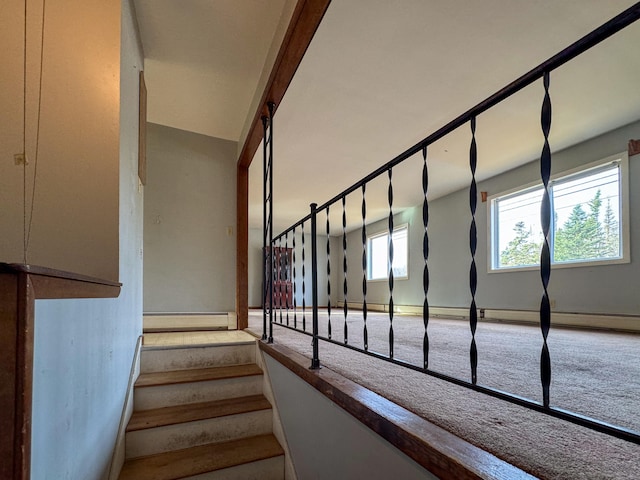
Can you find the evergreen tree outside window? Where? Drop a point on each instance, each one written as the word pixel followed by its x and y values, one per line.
pixel 589 221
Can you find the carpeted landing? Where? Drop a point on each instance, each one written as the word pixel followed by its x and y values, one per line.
pixel 594 373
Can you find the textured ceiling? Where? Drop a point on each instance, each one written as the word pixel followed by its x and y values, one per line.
pixel 203 60
pixel 380 75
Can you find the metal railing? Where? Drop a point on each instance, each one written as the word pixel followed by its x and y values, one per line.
pixel 541 72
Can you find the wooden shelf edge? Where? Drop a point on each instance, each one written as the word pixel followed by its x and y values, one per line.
pixel 49 283
pixel 436 449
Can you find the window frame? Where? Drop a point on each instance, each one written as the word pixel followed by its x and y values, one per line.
pixel 622 160
pixel 403 226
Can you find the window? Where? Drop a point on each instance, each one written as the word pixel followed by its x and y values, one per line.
pixel 589 222
pixel 378 254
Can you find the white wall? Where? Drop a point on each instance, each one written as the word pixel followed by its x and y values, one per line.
pixel 75 207
pixel 283 25
pixel 84 348
pixel 326 442
pixel 190 253
pixel 606 289
pixel 254 267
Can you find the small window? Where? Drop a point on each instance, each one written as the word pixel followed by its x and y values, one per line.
pixel 378 254
pixel 589 222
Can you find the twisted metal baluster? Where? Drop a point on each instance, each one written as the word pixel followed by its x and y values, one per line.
pixel 328 274
pixel 473 244
pixel 344 265
pixel 315 358
pixel 545 256
pixel 391 308
pixel 295 288
pixel 304 300
pixel 280 277
pixel 271 107
pixel 425 254
pixel 364 267
pixel 265 279
pixel 286 256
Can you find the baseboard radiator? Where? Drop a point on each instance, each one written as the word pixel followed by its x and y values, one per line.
pixel 622 323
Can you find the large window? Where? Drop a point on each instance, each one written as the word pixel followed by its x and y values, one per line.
pixel 378 254
pixel 589 222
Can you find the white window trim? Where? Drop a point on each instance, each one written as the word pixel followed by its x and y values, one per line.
pixel 379 234
pixel 623 160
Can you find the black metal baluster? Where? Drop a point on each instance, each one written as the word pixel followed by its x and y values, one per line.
pixel 286 269
pixel 344 265
pixel 265 278
pixel 545 256
pixel 364 267
pixel 315 360
pixel 391 307
pixel 279 273
pixel 271 107
pixel 425 254
pixel 295 300
pixel 328 275
pixel 473 244
pixel 304 300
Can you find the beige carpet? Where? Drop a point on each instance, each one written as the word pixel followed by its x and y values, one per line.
pixel 594 373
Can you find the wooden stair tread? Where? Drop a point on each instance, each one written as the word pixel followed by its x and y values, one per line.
pixel 197 375
pixel 201 459
pixel 158 417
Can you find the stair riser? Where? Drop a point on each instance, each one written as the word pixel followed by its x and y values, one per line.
pixel 269 469
pixel 174 437
pixel 162 360
pixel 194 392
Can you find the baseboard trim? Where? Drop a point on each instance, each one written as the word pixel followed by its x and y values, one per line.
pixel 623 323
pixel 189 322
pixel 117 459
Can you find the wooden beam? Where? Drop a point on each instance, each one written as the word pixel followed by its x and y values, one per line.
pixel 9 312
pixel 303 25
pixel 242 248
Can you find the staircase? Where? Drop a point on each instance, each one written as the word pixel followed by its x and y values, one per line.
pixel 199 412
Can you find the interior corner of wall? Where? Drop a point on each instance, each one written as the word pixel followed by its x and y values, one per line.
pixel 278 429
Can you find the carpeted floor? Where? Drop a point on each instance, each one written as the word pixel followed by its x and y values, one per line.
pixel 594 373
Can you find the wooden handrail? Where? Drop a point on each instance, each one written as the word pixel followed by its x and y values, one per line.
pixel 20 286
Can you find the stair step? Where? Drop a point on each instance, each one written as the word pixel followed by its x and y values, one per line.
pixel 183 426
pixel 158 417
pixel 196 375
pixel 207 458
pixel 180 357
pixel 179 387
